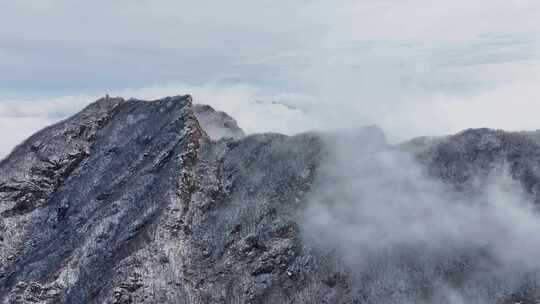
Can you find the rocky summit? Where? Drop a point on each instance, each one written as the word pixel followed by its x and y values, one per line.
pixel 164 201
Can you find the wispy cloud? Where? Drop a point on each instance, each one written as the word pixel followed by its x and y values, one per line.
pixel 99 44
pixel 414 67
pixel 409 238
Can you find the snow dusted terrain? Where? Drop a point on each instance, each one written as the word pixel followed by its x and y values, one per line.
pixel 133 201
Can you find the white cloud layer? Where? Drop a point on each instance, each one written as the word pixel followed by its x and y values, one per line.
pixel 414 67
pixel 511 107
pixel 407 236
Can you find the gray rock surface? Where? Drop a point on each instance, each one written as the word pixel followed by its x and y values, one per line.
pixel 474 153
pixel 217 124
pixel 133 201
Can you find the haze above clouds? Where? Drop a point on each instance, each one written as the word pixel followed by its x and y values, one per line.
pixel 413 67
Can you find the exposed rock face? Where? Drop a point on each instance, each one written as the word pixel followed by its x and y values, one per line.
pixel 132 201
pixel 217 124
pixel 463 159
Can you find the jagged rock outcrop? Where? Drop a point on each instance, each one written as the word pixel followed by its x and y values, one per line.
pixel 217 124
pixel 164 201
pixel 130 201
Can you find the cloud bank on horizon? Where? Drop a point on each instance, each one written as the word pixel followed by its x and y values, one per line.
pixel 413 67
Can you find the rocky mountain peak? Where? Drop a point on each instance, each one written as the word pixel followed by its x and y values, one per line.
pixel 164 201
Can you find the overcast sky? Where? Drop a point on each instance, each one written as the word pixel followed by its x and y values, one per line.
pixel 415 67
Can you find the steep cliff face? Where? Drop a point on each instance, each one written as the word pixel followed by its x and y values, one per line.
pixel 134 201
pixel 83 201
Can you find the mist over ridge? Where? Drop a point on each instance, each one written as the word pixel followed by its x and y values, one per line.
pixel 414 223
